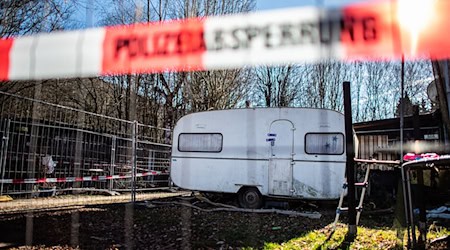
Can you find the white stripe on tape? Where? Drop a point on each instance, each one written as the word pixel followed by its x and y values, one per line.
pixel 21 58
pixel 250 39
pixel 68 54
pixel 92 52
pixel 70 179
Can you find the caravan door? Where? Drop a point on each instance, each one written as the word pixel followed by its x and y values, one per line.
pixel 281 159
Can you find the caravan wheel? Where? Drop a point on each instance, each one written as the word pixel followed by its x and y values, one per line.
pixel 250 197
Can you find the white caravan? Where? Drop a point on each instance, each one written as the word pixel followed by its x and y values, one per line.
pixel 282 152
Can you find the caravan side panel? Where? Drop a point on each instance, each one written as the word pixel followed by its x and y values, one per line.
pixel 241 161
pixel 318 180
pixel 219 175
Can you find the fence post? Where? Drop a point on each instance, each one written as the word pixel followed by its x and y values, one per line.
pixel 133 161
pixel 113 161
pixel 151 165
pixel 4 152
pixel 350 165
pixel 80 152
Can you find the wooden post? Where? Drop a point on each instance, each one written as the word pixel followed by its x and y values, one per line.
pixel 350 165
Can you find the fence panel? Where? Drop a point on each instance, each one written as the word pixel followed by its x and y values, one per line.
pixel 48 148
pixel 153 154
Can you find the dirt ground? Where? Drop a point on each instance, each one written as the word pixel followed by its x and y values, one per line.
pixel 148 225
pixel 65 201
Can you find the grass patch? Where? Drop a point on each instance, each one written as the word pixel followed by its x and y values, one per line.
pixel 435 231
pixel 367 238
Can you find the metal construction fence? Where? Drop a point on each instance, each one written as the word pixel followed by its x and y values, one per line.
pixel 48 149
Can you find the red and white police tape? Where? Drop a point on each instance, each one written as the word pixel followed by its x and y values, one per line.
pixel 79 179
pixel 376 30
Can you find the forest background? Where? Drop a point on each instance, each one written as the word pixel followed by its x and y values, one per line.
pixel 160 99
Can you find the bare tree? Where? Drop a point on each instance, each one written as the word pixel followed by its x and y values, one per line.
pixel 418 74
pixel 379 87
pixel 378 78
pixel 28 16
pixel 220 89
pixel 324 86
pixel 278 86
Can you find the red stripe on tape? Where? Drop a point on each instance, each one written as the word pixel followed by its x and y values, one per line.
pixel 41 180
pixel 368 31
pixel 5 49
pixel 154 47
pixel 18 181
pixel 78 179
pixel 426 29
pixel 388 29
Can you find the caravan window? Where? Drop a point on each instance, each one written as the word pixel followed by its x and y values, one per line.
pixel 200 142
pixel 324 143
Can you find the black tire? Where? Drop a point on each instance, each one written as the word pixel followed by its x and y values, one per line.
pixel 250 197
